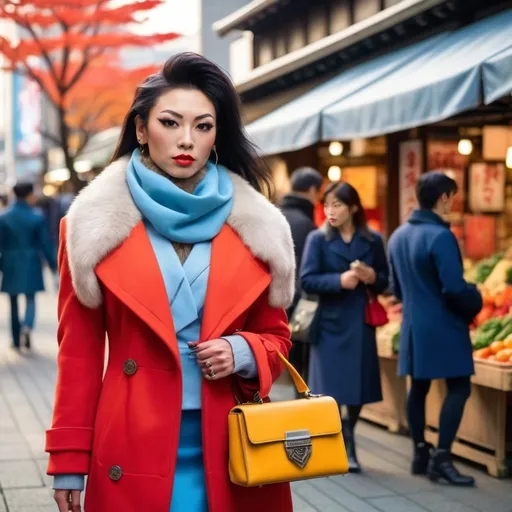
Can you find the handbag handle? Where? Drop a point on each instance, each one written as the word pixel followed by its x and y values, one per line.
pixel 298 381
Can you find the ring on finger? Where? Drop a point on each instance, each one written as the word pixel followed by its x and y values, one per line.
pixel 208 364
pixel 211 373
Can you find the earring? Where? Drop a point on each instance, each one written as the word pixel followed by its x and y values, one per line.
pixel 216 155
pixel 141 149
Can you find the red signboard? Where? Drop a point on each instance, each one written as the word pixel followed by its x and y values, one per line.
pixel 480 239
pixel 487 187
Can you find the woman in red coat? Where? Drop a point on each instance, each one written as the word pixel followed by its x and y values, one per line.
pixel 185 267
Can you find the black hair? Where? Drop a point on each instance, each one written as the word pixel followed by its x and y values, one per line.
pixel 23 189
pixel 431 186
pixel 190 70
pixel 348 195
pixel 303 178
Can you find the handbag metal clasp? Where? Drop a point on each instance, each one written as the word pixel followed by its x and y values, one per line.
pixel 298 447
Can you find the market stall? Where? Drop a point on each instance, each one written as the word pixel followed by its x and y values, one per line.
pixel 485 434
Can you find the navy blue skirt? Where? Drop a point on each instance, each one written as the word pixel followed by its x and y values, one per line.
pixel 189 491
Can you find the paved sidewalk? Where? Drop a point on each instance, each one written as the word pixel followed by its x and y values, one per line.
pixel 26 395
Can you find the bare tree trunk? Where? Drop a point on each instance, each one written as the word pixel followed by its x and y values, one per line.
pixel 69 159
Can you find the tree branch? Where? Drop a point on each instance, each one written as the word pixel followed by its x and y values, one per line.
pixel 87 60
pixel 52 138
pixel 45 56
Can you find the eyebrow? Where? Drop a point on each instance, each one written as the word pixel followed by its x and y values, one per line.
pixel 197 118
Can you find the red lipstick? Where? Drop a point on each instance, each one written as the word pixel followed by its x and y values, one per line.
pixel 184 160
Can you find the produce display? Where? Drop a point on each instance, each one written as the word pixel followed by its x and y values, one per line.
pixel 479 272
pixel 493 340
pixel 491 331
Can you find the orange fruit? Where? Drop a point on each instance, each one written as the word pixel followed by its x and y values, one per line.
pixel 496 346
pixel 492 357
pixel 507 343
pixel 504 355
pixel 483 353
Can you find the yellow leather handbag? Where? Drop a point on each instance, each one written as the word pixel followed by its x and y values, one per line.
pixel 286 441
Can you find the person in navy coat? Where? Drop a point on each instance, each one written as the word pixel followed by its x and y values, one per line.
pixel 23 241
pixel 438 306
pixel 343 360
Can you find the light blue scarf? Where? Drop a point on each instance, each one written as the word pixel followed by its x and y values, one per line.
pixel 178 215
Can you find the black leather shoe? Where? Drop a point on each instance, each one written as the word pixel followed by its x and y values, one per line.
pixel 441 467
pixel 350 446
pixel 422 452
pixel 26 338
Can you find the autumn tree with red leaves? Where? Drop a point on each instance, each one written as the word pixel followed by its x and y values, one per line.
pixel 69 48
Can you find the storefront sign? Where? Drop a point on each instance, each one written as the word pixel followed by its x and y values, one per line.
pixel 487 188
pixel 480 240
pixel 411 155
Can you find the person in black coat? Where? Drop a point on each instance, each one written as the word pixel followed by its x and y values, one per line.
pixel 438 306
pixel 298 207
pixel 345 263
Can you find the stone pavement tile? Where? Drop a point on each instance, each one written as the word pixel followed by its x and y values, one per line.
pixel 36 442
pixel 478 499
pixel 3 507
pixel 299 505
pixel 395 504
pixel 25 500
pixel 318 500
pixel 34 390
pixel 42 465
pixel 341 496
pixel 36 508
pixel 14 451
pixel 435 502
pixel 377 465
pixel 17 474
pixel 362 485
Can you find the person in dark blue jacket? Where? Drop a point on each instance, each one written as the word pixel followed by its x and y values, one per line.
pixel 343 361
pixel 299 207
pixel 438 306
pixel 23 240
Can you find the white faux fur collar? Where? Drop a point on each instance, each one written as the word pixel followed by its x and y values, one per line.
pixel 104 214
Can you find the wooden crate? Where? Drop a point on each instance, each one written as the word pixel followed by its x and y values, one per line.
pixel 389 413
pixel 483 436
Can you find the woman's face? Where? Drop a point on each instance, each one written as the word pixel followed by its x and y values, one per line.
pixel 336 211
pixel 180 132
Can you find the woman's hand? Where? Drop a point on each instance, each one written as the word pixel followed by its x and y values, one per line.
pixel 67 500
pixel 215 358
pixel 349 280
pixel 364 273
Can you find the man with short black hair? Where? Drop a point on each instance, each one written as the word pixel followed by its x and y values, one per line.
pixel 23 240
pixel 438 306
pixel 298 207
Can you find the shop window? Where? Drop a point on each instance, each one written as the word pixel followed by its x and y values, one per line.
pixel 340 15
pixel 318 24
pixel 365 8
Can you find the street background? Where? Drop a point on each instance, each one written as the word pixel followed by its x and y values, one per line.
pixel 26 394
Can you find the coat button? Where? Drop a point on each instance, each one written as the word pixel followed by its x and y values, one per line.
pixel 115 473
pixel 129 367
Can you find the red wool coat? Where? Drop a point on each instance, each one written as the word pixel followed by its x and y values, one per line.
pixel 121 426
